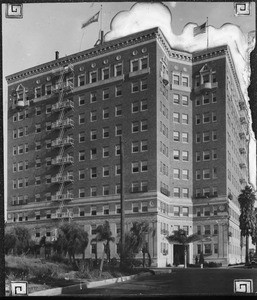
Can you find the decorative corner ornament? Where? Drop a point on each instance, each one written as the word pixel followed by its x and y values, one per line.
pixel 14 11
pixel 242 8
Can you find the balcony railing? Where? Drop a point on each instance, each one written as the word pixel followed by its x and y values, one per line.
pixel 62 123
pixel 64 104
pixel 59 160
pixel 206 86
pixel 61 197
pixel 62 178
pixel 59 142
pixel 65 86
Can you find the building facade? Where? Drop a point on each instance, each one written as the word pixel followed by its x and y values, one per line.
pixel 183 124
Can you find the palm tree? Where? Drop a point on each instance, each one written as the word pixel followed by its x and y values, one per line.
pixel 180 236
pixel 72 239
pixel 138 234
pixel 104 234
pixel 247 217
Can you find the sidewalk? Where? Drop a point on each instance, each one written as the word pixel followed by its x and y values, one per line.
pixel 86 285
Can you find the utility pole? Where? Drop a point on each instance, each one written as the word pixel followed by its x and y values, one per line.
pixel 122 213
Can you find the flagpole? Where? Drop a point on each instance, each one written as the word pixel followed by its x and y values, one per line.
pixel 207 29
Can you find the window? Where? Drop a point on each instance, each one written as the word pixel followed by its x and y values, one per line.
pixel 175 98
pixel 206 155
pixel 38 92
pixel 184 81
pixel 144 207
pixel 117 192
pixel 175 79
pixel 93 173
pixel 81 118
pixel 118 130
pixel 214 154
pixel 197 156
pixel 48 144
pixel 93 77
pixel 118 70
pixel 106 210
pixel 93 116
pixel 134 87
pixel 176 155
pixel 134 65
pixel 206 174
pixel 185 155
pixel 184 137
pixel 82 100
pixel 106 171
pixel 48 126
pixel 93 192
pixel 106 132
pixel 176 136
pixel 118 90
pixel 93 135
pixel 82 137
pixel 117 150
pixel 206 192
pixel 144 186
pixel 214 97
pixel 92 97
pixel 82 155
pixel 144 145
pixel 14 134
pixel 143 84
pixel 206 78
pixel 117 170
pixel 176 117
pixel 135 147
pixel 48 88
pixel 206 136
pixel 144 166
pixel 106 151
pixel 106 190
pixel 82 174
pixel 184 119
pixel 38 163
pixel 214 117
pixel 185 174
pixel 81 193
pixel 176 210
pixel 81 80
pixel 38 146
pixel 105 73
pixel 198 101
pixel 135 126
pixel 185 100
pixel 214 135
pixel 135 167
pixel 185 192
pixel 215 229
pixel 93 226
pixel 197 119
pixel 135 207
pixel 198 174
pixel 38 128
pixel 144 63
pixel 93 153
pixel 135 107
pixel 185 211
pixel 176 192
pixel 143 105
pixel 206 99
pixel 176 173
pixel 215 191
pixel 206 118
pixel 20 132
pixel 48 109
pixel 118 111
pixel 207 229
pixel 198 137
pixel 144 125
pixel 14 150
pixel 106 94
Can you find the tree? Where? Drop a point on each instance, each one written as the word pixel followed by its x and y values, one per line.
pixel 17 239
pixel 10 241
pixel 247 217
pixel 72 239
pixel 104 234
pixel 180 236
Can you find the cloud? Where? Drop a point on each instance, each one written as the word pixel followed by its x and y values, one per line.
pixel 143 16
pixel 173 4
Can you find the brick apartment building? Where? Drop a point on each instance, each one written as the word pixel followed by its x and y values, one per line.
pixel 183 122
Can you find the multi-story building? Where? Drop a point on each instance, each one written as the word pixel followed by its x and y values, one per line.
pixel 183 123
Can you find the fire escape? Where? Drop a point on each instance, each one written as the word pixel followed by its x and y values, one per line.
pixel 62 87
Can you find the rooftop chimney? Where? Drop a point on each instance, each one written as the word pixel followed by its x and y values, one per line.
pixel 56 54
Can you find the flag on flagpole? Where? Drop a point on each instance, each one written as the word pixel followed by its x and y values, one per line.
pixel 200 29
pixel 91 20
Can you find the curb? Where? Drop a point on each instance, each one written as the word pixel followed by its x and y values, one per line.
pixel 85 285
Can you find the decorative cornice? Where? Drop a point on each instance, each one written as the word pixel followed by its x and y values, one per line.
pixel 87 54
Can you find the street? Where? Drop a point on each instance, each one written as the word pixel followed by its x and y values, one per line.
pixel 180 282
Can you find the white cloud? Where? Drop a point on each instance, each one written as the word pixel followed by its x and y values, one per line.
pixel 173 4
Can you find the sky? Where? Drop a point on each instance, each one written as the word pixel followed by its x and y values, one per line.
pixel 49 27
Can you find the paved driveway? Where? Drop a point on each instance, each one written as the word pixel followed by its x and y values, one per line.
pixel 180 282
